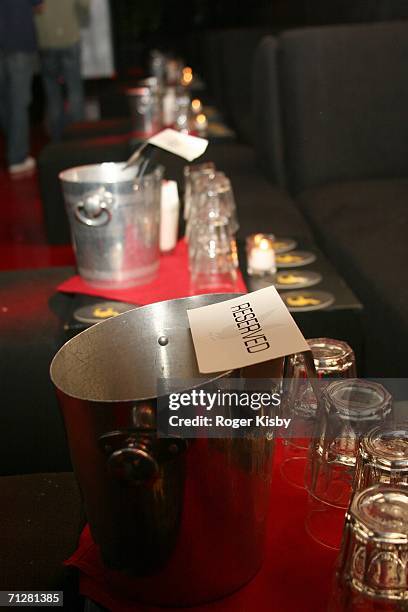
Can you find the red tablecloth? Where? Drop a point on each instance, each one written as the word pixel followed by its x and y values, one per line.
pixel 173 281
pixel 296 575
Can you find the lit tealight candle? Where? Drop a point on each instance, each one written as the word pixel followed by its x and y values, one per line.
pixel 201 123
pixel 187 77
pixel 196 106
pixel 261 255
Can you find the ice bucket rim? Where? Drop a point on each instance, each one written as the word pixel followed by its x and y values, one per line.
pixel 202 379
pixel 129 175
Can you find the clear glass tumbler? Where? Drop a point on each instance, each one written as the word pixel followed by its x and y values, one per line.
pixel 332 359
pixel 183 105
pixel 371 573
pixel 382 457
pixel 190 172
pixel 350 408
pixel 212 264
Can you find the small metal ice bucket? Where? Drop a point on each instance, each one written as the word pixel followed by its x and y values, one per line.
pixel 114 219
pixel 145 109
pixel 185 519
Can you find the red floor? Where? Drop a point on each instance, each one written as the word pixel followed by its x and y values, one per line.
pixel 22 237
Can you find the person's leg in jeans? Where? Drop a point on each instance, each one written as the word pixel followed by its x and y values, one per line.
pixel 52 71
pixel 71 60
pixel 19 68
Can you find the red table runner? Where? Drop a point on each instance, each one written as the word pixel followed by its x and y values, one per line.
pixel 173 281
pixel 296 574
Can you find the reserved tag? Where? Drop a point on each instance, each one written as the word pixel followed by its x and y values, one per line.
pixel 244 331
pixel 183 145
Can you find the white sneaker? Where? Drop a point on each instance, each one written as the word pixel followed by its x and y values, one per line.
pixel 22 168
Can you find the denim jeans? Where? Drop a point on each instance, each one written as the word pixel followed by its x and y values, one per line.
pixel 16 73
pixel 59 65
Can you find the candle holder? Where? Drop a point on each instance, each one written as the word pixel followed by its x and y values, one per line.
pixel 260 255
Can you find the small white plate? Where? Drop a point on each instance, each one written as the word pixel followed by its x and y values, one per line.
pixel 284 245
pixel 305 301
pixel 296 279
pixel 101 311
pixel 294 259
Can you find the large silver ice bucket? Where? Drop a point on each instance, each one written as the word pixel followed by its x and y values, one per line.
pixel 114 219
pixel 185 519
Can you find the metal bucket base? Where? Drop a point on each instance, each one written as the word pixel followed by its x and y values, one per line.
pixel 169 599
pixel 121 283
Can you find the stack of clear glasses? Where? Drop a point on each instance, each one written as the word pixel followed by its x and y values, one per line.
pixel 211 226
pixel 371 572
pixel 349 409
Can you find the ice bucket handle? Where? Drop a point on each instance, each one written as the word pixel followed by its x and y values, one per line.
pixel 135 456
pixel 95 209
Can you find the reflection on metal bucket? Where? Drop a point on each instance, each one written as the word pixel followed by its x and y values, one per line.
pixel 185 519
pixel 114 219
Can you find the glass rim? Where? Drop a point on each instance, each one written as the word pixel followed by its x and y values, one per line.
pixel 327 357
pixel 341 359
pixel 374 448
pixel 334 396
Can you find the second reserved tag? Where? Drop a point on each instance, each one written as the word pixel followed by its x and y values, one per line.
pixel 184 145
pixel 243 331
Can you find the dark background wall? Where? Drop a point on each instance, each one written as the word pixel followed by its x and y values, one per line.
pixel 173 25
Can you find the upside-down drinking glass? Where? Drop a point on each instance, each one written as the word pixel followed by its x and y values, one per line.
pixel 212 263
pixel 350 408
pixel 382 457
pixel 190 172
pixel 371 573
pixel 332 359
